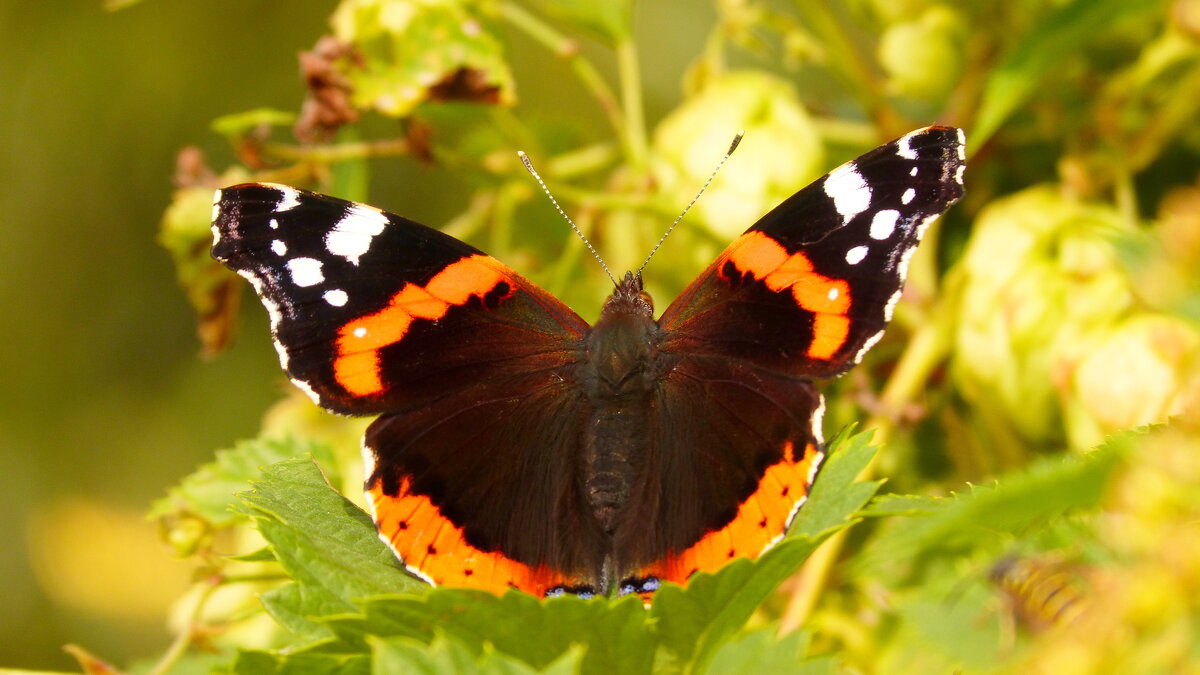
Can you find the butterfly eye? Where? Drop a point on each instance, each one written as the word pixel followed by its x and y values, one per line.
pixel 645 297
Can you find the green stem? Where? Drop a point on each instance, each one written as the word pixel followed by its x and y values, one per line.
pixel 566 48
pixel 183 640
pixel 631 103
pixel 849 60
pixel 339 152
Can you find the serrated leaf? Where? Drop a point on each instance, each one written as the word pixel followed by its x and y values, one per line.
pixel 615 633
pixel 264 554
pixel 835 495
pixel 255 662
pixel 1028 498
pixel 693 621
pixel 402 655
pixel 902 505
pixel 325 543
pixel 763 651
pixel 210 491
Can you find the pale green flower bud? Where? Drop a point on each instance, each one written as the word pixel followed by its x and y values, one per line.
pixel 1041 278
pixel 924 58
pixel 1142 372
pixel 780 153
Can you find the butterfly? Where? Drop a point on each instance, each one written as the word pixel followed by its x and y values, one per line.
pixel 518 447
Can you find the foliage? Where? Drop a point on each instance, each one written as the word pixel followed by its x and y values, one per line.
pixel 1047 315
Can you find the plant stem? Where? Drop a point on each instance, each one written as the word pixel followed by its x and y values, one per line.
pixel 183 640
pixel 566 48
pixel 340 152
pixel 631 102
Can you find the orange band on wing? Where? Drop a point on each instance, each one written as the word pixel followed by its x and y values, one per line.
pixel 356 366
pixel 765 259
pixel 760 521
pixel 435 548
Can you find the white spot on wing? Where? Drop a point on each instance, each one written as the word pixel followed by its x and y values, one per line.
pixel 305 271
pixel 925 223
pixel 908 196
pixel 902 267
pixel 216 210
pixel 884 224
pixel 962 145
pixel 273 313
pixel 913 171
pixel 868 344
pixel 307 389
pixel 890 305
pixel 818 419
pixel 337 297
pixel 849 191
pixel 352 235
pixel 856 255
pixel 958 173
pixel 904 146
pixel 360 332
pixel 273 223
pixel 833 293
pixel 279 247
pixel 288 198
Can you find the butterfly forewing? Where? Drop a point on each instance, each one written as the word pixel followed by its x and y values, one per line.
pixel 811 286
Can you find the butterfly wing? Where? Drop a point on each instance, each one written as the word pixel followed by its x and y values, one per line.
pixel 803 294
pixel 375 314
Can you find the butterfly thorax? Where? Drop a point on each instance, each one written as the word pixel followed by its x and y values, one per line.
pixel 619 383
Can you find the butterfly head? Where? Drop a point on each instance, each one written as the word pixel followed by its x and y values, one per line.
pixel 629 298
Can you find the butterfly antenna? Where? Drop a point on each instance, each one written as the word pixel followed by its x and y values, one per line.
pixel 732 146
pixel 529 167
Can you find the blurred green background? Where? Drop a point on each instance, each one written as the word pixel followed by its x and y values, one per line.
pixel 105 401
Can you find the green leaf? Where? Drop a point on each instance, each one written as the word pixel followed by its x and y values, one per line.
pixel 409 53
pixel 209 491
pixel 254 662
pixel 835 494
pixel 1039 55
pixel 762 651
pixel 694 621
pixel 614 632
pixel 1017 502
pixel 402 655
pixel 902 505
pixel 325 543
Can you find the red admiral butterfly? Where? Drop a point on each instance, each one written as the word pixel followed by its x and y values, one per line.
pixel 516 446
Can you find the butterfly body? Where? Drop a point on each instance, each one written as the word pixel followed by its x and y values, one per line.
pixel 517 446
